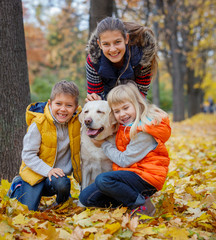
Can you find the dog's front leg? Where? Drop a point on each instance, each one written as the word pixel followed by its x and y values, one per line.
pixel 86 175
pixel 95 172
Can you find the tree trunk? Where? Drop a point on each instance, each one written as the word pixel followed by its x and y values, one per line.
pixel 194 91
pixel 14 88
pixel 177 78
pixel 156 91
pixel 194 95
pixel 99 10
pixel 155 83
pixel 177 82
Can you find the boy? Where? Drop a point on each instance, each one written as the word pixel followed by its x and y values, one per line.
pixel 51 148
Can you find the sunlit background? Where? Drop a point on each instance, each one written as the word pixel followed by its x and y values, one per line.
pixel 57 33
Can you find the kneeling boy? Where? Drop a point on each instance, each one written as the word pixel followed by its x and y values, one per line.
pixel 51 148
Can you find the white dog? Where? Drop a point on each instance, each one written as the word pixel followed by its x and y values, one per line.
pixel 97 123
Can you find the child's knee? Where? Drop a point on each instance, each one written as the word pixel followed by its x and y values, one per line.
pixel 102 181
pixel 83 199
pixel 62 184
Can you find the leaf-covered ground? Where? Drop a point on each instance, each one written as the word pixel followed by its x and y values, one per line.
pixel 186 206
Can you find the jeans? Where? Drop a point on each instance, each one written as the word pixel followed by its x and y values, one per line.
pixel 31 195
pixel 117 188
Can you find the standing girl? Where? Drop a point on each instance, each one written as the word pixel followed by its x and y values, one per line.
pixel 140 158
pixel 119 51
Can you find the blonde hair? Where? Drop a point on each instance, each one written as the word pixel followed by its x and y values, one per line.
pixel 147 113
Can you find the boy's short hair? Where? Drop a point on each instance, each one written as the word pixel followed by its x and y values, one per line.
pixel 67 88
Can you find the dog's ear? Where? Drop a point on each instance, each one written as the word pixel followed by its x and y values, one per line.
pixel 81 117
pixel 113 123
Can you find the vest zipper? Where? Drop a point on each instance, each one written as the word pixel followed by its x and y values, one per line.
pixel 118 81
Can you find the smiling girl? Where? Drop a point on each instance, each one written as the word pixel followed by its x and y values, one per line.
pixel 118 51
pixel 140 158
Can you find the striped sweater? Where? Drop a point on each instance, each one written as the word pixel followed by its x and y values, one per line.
pixel 102 76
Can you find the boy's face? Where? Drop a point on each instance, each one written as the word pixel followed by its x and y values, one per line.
pixel 63 107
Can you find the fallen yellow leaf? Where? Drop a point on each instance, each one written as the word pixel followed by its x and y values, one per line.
pixel 177 233
pixel 111 228
pixel 20 219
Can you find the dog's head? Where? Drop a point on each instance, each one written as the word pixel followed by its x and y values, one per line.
pixel 96 117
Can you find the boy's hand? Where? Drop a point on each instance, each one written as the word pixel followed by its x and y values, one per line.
pixel 92 97
pixel 97 143
pixel 56 172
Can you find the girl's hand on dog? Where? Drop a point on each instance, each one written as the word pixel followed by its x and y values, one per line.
pixel 56 172
pixel 92 97
pixel 97 143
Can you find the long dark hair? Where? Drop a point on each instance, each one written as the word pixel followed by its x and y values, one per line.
pixel 138 35
pixel 143 36
pixel 111 24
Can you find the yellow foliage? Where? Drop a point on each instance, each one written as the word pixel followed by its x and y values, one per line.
pixel 185 207
pixel 111 228
pixel 20 219
pixel 209 86
pixel 177 233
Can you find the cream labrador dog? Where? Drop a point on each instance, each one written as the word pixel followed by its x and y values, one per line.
pixel 97 123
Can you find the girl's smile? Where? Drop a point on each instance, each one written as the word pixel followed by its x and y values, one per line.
pixel 124 113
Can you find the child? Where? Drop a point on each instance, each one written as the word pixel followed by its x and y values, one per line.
pixel 140 158
pixel 51 148
pixel 119 51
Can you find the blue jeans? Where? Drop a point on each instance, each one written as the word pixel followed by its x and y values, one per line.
pixel 117 188
pixel 31 195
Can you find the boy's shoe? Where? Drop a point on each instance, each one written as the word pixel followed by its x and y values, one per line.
pixel 16 182
pixel 148 209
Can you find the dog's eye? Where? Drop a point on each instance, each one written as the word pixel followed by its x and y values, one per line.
pixel 86 111
pixel 98 111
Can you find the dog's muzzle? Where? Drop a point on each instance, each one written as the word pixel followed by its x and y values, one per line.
pixel 92 133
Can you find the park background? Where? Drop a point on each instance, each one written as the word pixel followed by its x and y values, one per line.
pixel 42 42
pixel 57 32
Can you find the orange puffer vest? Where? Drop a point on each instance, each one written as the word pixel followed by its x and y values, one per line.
pixel 153 168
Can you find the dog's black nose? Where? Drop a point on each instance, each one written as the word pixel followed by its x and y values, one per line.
pixel 88 121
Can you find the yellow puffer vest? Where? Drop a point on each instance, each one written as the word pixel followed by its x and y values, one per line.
pixel 48 146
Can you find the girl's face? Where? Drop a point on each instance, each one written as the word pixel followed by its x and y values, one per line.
pixel 125 113
pixel 113 45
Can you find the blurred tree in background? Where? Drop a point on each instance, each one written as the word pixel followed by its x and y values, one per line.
pixel 66 47
pixel 99 10
pixel 185 31
pixel 62 47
